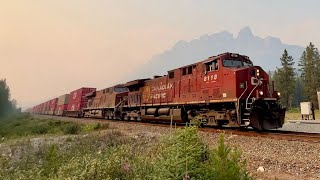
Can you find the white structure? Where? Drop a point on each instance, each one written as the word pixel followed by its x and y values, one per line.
pixel 306 110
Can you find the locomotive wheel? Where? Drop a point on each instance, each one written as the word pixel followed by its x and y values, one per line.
pixel 125 117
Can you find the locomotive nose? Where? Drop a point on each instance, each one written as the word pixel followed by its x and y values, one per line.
pixel 266 115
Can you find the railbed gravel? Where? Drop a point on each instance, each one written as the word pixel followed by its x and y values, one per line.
pixel 281 159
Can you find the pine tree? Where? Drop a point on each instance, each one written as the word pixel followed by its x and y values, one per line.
pixel 5 104
pixel 271 74
pixel 298 92
pixel 310 73
pixel 285 78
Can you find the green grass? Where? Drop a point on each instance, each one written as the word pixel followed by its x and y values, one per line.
pixel 295 114
pixel 24 125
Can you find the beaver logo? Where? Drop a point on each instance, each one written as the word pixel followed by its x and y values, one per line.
pixel 147 93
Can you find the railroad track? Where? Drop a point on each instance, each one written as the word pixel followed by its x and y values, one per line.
pixel 274 134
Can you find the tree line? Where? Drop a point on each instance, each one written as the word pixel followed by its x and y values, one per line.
pixel 301 84
pixel 7 105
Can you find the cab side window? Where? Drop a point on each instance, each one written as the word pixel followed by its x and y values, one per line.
pixel 171 74
pixel 184 71
pixel 211 66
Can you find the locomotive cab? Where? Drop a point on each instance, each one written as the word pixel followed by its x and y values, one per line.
pixel 257 104
pixel 107 103
pixel 241 92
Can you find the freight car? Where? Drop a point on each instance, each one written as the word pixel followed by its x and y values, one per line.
pixel 78 101
pixel 62 105
pixel 223 90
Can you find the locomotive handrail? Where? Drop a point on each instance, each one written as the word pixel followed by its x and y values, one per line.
pixel 238 105
pixel 119 104
pixel 252 92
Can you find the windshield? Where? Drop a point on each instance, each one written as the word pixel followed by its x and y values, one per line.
pixel 120 89
pixel 235 63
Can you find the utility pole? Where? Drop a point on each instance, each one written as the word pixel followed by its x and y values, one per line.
pixel 318 93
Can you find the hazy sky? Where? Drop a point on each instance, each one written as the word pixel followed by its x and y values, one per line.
pixel 50 47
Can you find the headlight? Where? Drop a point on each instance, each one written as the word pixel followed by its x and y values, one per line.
pixel 261 93
pixel 278 93
pixel 258 72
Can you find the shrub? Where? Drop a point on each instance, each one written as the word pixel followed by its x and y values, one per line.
pixel 185 156
pixel 52 162
pixel 99 126
pixel 180 155
pixel 224 163
pixel 40 129
pixel 72 128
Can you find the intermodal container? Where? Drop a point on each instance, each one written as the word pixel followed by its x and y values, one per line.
pixel 78 100
pixel 47 107
pixel 37 109
pixel 60 110
pixel 79 94
pixel 77 106
pixel 53 106
pixel 64 99
pixel 42 108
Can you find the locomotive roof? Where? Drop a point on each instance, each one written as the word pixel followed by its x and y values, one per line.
pixel 246 58
pixel 213 57
pixel 136 82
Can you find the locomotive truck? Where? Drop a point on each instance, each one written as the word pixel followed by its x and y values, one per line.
pixel 223 90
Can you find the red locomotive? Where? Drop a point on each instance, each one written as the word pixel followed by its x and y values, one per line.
pixel 223 90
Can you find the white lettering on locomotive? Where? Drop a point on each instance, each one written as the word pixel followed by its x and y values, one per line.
pixel 210 78
pixel 162 87
pixel 159 96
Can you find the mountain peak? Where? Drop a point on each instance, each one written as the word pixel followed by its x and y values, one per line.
pixel 264 52
pixel 245 32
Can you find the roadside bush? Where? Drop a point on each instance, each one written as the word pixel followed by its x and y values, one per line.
pixel 224 163
pixel 40 129
pixel 101 126
pixel 52 161
pixel 180 155
pixel 185 156
pixel 72 128
pixel 97 126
